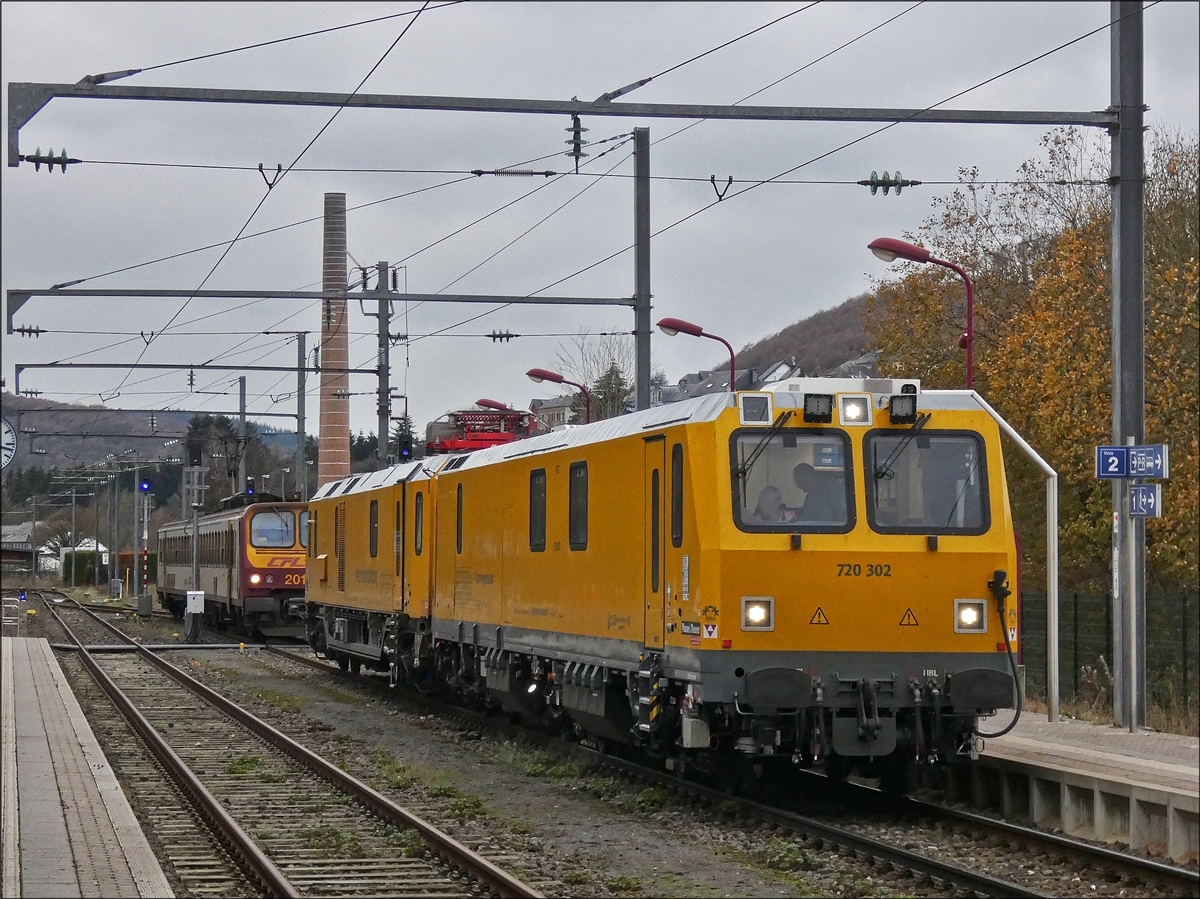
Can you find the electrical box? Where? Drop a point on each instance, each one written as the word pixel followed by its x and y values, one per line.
pixel 195 602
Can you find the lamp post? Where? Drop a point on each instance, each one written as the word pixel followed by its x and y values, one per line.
pixel 673 326
pixel 889 249
pixel 537 375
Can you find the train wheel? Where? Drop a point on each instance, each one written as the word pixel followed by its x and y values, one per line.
pixel 837 767
pixel 896 776
pixel 343 662
pixel 355 666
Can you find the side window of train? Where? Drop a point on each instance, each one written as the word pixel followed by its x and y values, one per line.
pixel 537 510
pixel 419 524
pixel 458 522
pixel 655 540
pixel 677 495
pixel 312 535
pixel 374 528
pixel 578 515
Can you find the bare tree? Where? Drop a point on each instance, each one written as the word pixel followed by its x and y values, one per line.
pixel 588 357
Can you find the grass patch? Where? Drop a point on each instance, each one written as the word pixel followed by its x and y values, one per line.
pixel 335 695
pixel 411 843
pixel 465 808
pixel 272 777
pixel 441 791
pixel 575 878
pixel 394 774
pixel 287 701
pixel 785 855
pixel 540 763
pixel 330 840
pixel 624 883
pixel 652 799
pixel 230 674
pixel 244 764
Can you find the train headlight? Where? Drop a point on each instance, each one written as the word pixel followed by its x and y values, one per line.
pixel 902 408
pixel 818 407
pixel 855 409
pixel 970 616
pixel 255 578
pixel 758 613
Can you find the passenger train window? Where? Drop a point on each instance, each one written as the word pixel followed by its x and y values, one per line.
pixel 373 528
pixel 302 530
pixel 273 529
pixel 458 522
pixel 419 523
pixel 926 482
pixel 677 495
pixel 578 512
pixel 794 481
pixel 537 510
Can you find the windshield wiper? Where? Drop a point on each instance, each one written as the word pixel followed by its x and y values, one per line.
pixel 744 468
pixel 885 471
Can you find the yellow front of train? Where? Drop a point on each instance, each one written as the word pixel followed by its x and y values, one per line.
pixel 866 551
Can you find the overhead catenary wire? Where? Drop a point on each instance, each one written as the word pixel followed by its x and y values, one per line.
pixel 831 152
pixel 296 37
pixel 283 175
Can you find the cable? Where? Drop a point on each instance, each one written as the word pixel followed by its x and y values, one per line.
pixel 612 95
pixel 295 37
pixel 844 146
pixel 282 175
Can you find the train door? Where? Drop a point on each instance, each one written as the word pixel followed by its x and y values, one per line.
pixel 655 449
pixel 399 536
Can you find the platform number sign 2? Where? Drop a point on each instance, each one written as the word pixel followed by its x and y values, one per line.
pixel 9 446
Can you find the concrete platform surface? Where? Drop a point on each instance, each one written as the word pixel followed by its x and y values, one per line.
pixel 68 829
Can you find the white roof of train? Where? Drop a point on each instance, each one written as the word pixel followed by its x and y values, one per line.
pixel 787 394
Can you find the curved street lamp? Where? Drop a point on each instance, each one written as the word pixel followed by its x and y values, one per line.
pixel 673 326
pixel 889 249
pixel 537 375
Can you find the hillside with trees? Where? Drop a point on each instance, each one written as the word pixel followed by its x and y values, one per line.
pixel 1038 252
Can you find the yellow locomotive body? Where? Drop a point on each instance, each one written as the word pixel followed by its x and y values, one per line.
pixel 815 572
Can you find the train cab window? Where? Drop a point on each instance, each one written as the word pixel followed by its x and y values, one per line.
pixel 794 481
pixel 458 522
pixel 537 510
pixel 302 530
pixel 373 528
pixel 273 529
pixel 923 482
pixel 419 523
pixel 677 495
pixel 578 513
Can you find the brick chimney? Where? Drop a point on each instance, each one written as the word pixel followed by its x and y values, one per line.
pixel 334 439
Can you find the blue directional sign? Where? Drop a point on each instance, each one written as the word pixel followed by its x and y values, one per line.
pixel 1149 461
pixel 1112 462
pixel 1145 500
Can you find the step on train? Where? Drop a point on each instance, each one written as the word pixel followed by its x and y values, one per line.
pixel 814 574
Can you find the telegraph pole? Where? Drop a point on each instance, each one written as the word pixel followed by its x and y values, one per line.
pixel 1128 359
pixel 641 253
pixel 241 484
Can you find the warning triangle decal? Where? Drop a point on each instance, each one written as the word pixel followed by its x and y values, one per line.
pixel 909 619
pixel 819 617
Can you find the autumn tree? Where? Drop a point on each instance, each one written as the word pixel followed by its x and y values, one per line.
pixel 1039 255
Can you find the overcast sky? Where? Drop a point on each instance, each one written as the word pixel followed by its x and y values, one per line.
pixel 743 269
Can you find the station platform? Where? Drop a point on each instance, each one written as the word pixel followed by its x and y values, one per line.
pixel 66 827
pixel 1094 781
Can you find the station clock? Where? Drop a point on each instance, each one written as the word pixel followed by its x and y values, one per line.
pixel 8 442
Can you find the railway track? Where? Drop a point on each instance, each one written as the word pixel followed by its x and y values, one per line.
pixel 1037 862
pixel 291 823
pixel 1033 862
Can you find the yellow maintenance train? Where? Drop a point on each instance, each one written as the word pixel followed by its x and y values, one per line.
pixel 815 573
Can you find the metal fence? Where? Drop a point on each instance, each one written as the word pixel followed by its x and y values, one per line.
pixel 1085 646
